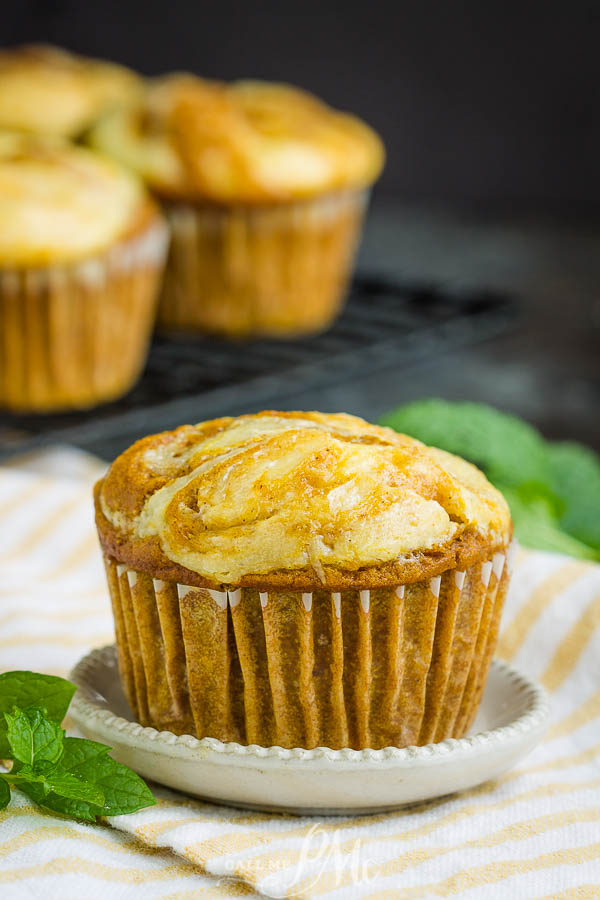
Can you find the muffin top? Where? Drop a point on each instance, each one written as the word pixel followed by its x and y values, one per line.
pixel 247 142
pixel 59 202
pixel 299 498
pixel 49 91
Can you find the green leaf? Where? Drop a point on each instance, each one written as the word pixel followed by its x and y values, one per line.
pixel 537 526
pixel 32 737
pixel 4 793
pixel 575 472
pixel 124 791
pixel 26 776
pixel 19 735
pixel 29 689
pixel 24 773
pixel 79 753
pixel 67 785
pixel 506 448
pixel 56 780
pixel 73 809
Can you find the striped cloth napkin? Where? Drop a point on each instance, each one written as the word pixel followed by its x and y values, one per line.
pixel 535 832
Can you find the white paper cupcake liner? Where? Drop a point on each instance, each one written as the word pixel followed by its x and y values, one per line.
pixel 356 668
pixel 75 335
pixel 277 270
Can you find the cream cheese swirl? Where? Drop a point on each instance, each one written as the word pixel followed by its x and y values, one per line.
pixel 245 142
pixel 59 202
pixel 288 491
pixel 45 90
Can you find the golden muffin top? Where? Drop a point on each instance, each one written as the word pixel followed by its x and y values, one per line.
pixel 289 491
pixel 246 142
pixel 49 91
pixel 59 202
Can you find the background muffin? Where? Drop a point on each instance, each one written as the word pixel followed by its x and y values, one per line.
pixel 265 188
pixel 302 579
pixel 49 91
pixel 81 252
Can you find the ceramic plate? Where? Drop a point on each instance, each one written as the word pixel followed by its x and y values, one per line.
pixel 512 719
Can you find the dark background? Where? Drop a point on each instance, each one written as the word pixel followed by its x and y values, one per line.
pixel 490 115
pixel 481 104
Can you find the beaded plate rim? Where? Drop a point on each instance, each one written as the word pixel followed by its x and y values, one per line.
pixel 86 708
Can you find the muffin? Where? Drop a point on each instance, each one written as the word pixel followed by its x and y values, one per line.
pixel 302 580
pixel 265 189
pixel 81 253
pixel 49 91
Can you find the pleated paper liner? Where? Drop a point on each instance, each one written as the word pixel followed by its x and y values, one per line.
pixel 77 334
pixel 371 668
pixel 279 270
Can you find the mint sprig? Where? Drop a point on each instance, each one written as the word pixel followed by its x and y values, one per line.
pixel 72 776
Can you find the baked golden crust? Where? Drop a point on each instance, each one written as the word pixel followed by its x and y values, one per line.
pixel 61 203
pixel 296 500
pixel 248 142
pixel 49 91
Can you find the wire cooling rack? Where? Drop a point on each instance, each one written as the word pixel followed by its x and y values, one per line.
pixel 385 324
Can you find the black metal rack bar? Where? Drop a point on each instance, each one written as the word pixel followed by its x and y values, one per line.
pixel 190 378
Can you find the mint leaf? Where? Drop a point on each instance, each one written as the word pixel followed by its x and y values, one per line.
pixel 28 689
pixel 55 780
pixel 537 526
pixel 32 737
pixel 4 793
pixel 78 753
pixel 124 791
pixel 20 737
pixel 20 773
pixel 26 776
pixel 73 809
pixel 575 472
pixel 65 784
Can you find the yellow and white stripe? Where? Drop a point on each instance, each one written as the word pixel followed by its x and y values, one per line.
pixel 533 833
